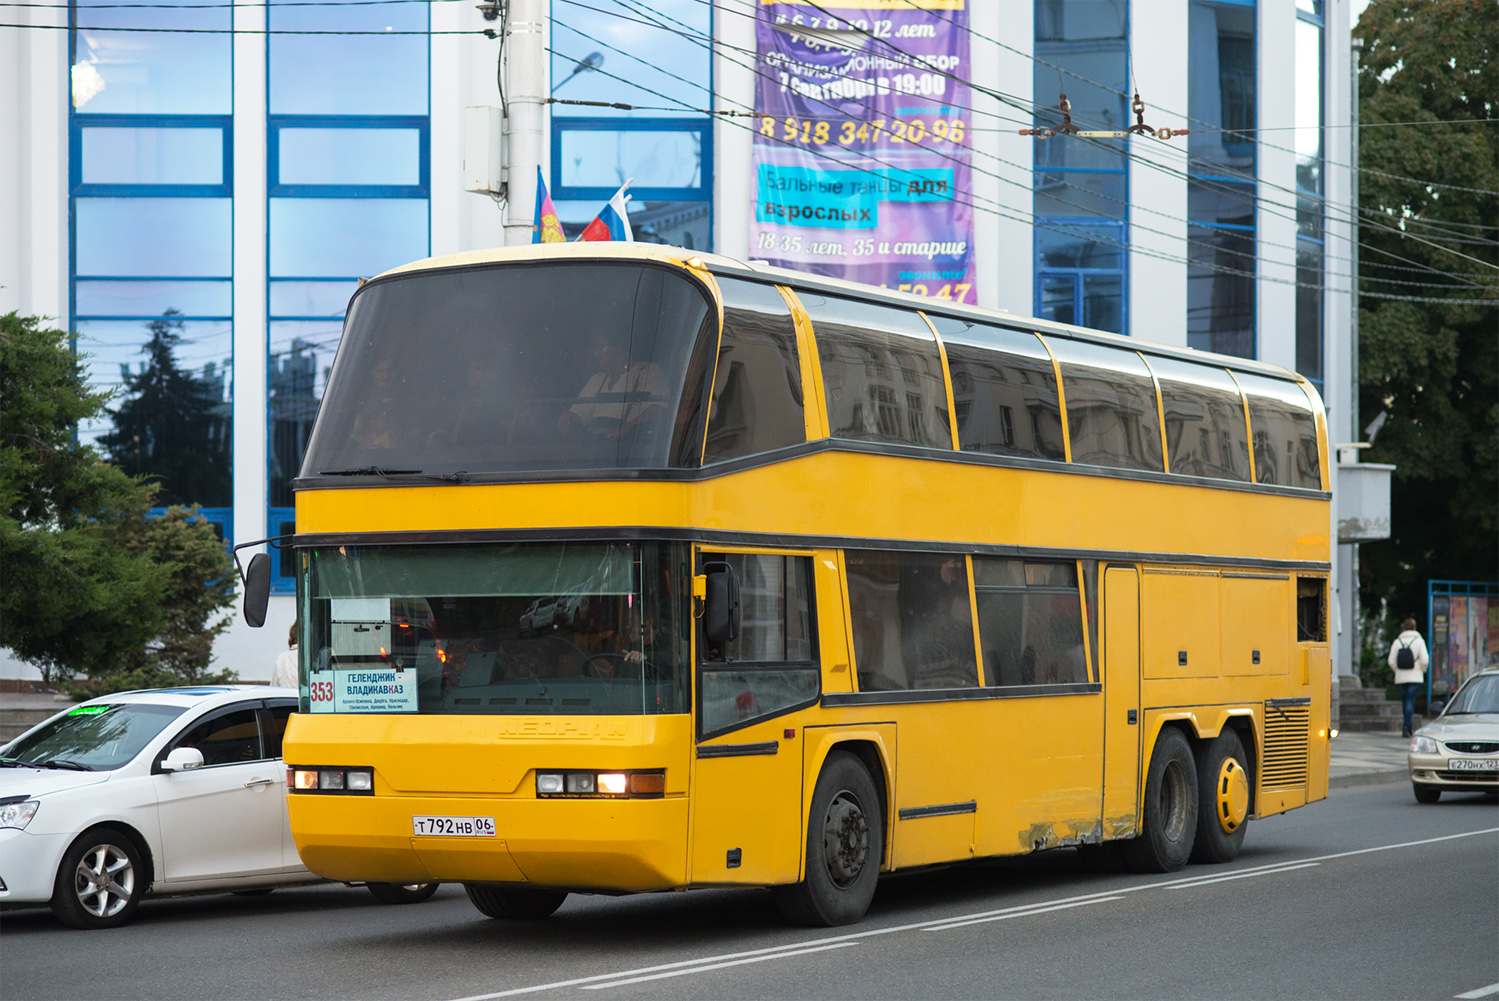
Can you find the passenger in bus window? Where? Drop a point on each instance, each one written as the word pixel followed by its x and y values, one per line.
pixel 619 397
pixel 377 424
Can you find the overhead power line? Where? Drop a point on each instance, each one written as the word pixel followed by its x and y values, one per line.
pixel 698 37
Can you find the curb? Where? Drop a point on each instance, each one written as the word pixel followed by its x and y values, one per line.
pixel 1368 778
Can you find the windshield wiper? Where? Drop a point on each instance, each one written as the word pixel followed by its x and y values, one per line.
pixel 459 477
pixel 60 763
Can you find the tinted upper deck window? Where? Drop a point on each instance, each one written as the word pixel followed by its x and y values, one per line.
pixel 1004 390
pixel 881 372
pixel 1111 405
pixel 1285 432
pixel 519 367
pixel 757 389
pixel 1205 431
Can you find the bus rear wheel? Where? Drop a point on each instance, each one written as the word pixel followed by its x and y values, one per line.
pixel 514 903
pixel 845 843
pixel 1222 799
pixel 1169 825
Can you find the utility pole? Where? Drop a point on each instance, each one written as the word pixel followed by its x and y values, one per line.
pixel 525 92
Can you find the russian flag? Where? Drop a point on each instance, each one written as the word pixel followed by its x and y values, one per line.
pixel 613 223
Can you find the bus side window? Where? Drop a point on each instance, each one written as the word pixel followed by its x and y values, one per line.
pixel 1285 432
pixel 771 667
pixel 1029 623
pixel 912 621
pixel 1004 390
pixel 1111 407
pixel 757 392
pixel 1205 433
pixel 881 372
pixel 1311 610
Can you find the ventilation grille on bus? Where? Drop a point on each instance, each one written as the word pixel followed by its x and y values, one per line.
pixel 1286 727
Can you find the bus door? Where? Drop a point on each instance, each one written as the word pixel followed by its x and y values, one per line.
pixel 747 769
pixel 1121 690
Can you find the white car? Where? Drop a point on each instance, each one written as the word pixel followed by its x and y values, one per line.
pixel 1459 750
pixel 176 790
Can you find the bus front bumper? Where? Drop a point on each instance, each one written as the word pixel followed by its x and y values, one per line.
pixel 616 845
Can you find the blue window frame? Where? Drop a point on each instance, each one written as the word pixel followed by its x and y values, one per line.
pixel 1310 247
pixel 1082 187
pixel 349 181
pixel 150 222
pixel 1223 98
pixel 341 152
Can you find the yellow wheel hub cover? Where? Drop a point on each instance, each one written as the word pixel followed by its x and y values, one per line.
pixel 1233 796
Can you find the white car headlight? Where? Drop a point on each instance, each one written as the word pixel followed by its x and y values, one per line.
pixel 18 815
pixel 1423 745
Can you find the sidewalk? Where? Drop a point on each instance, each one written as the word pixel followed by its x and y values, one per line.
pixel 1361 759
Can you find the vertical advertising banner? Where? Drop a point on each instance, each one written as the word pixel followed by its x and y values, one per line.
pixel 862 157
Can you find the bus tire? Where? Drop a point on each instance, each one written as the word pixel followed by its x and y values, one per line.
pixel 1170 812
pixel 1222 799
pixel 401 893
pixel 514 903
pixel 845 843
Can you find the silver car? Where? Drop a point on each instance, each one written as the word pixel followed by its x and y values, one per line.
pixel 1459 750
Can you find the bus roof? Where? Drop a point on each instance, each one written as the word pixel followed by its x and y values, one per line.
pixel 756 271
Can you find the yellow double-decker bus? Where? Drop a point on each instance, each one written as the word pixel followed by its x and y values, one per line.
pixel 623 568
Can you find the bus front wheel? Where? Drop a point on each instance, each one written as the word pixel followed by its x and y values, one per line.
pixel 524 904
pixel 845 843
pixel 1169 825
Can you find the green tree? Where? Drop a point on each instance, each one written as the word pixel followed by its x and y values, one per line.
pixel 1431 367
pixel 89 584
pixel 172 424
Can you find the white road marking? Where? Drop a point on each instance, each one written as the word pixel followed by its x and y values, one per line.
pixel 719 966
pixel 1190 884
pixel 1481 992
pixel 1019 912
pixel 699 964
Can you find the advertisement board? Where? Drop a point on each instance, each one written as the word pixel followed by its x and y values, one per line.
pixel 862 157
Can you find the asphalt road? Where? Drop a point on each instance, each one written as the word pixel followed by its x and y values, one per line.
pixel 1366 895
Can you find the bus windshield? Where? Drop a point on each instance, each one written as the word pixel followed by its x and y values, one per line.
pixel 532 629
pixel 572 365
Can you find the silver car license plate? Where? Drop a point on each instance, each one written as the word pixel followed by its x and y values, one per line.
pixel 1473 765
pixel 453 827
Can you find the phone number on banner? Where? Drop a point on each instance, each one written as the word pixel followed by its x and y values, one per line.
pixel 848 133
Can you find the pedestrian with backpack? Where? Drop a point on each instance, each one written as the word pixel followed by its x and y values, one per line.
pixel 1408 659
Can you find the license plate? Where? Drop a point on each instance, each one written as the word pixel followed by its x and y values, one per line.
pixel 1473 765
pixel 453 827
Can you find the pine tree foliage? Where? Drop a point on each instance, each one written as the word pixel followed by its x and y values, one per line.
pixel 90 584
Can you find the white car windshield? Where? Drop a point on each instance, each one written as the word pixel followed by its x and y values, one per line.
pixel 1481 695
pixel 91 738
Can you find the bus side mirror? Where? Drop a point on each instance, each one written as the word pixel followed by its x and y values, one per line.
pixel 721 608
pixel 257 589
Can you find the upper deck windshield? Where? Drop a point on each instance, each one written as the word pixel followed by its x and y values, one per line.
pixel 524 367
pixel 532 629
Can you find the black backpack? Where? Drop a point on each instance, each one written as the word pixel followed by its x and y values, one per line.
pixel 1404 659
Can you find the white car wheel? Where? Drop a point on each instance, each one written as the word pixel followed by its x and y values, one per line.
pixel 100 880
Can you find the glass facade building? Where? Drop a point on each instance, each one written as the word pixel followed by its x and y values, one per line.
pixel 150 185
pixel 1223 106
pixel 1082 186
pixel 348 182
pixel 1310 235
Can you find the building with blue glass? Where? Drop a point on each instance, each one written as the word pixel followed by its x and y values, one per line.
pixel 195 187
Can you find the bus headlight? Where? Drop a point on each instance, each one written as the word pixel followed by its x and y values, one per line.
pixel 644 784
pixel 331 780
